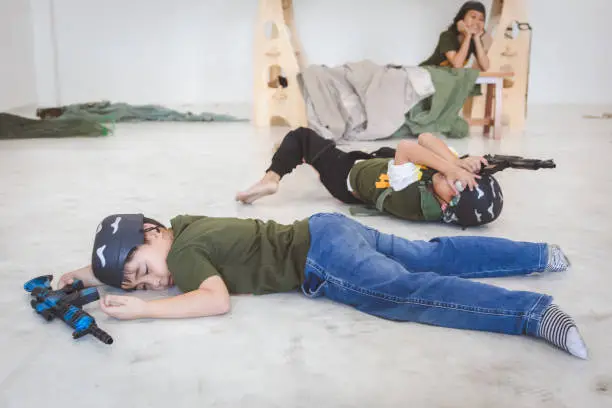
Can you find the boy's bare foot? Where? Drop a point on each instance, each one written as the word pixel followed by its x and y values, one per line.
pixel 258 190
pixel 266 186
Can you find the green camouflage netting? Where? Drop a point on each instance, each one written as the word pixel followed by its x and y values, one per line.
pixel 18 127
pixel 105 111
pixel 86 120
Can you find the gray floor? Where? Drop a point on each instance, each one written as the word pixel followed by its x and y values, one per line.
pixel 285 350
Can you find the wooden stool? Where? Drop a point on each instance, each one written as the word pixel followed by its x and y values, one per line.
pixel 495 85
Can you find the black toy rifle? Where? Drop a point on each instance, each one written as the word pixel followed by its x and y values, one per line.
pixel 499 162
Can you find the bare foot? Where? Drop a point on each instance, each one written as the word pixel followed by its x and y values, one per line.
pixel 260 189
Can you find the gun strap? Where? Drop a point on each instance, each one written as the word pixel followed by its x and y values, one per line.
pixel 364 210
pixel 369 210
pixel 429 205
pixel 380 201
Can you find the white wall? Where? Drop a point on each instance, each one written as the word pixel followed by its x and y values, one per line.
pixel 571 51
pixel 45 56
pixel 140 51
pixel 200 51
pixel 17 80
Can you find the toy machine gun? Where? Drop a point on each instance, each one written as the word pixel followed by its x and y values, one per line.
pixel 498 162
pixel 66 304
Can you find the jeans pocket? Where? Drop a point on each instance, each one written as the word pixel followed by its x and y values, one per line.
pixel 314 282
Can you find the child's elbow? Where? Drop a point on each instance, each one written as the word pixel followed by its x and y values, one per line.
pixel 223 305
pixel 424 138
pixel 213 303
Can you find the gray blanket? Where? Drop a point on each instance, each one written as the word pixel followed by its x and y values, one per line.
pixel 361 100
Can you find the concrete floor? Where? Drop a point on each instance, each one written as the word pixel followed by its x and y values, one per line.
pixel 285 350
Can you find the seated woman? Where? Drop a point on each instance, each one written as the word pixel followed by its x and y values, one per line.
pixel 462 39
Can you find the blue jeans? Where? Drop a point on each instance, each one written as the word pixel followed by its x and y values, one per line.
pixel 424 281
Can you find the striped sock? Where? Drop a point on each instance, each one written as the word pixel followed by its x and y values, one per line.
pixel 557 261
pixel 558 328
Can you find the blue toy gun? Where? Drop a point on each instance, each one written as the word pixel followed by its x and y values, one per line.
pixel 66 304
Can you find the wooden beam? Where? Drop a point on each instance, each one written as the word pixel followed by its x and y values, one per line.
pixel 277 54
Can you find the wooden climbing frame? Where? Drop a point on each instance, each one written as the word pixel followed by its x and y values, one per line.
pixel 278 60
pixel 278 54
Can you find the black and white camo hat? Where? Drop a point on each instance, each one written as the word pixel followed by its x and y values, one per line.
pixel 477 207
pixel 116 236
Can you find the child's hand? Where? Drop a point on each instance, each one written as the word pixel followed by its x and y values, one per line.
pixel 462 28
pixel 466 178
pixel 472 163
pixel 65 279
pixel 124 307
pixel 477 30
pixel 84 274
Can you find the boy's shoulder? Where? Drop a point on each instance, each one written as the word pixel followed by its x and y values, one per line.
pixel 182 222
pixel 204 230
pixel 206 233
pixel 199 224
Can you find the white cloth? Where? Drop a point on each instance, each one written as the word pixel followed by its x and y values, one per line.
pixel 400 176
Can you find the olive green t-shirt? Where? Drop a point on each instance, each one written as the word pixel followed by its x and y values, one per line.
pixel 448 41
pixel 369 179
pixel 251 256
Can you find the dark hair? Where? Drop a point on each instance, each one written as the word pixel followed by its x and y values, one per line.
pixel 146 220
pixel 467 6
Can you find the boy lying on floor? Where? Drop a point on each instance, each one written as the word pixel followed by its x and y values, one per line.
pixel 418 181
pixel 325 255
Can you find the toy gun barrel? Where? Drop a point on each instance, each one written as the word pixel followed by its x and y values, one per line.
pixel 84 324
pixel 101 335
